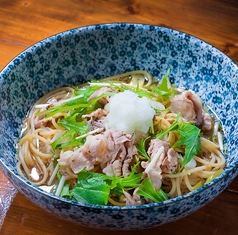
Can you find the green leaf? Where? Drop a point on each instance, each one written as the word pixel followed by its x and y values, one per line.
pixel 86 92
pixel 91 188
pixel 77 197
pixel 79 103
pixel 93 102
pixel 56 109
pixel 65 191
pixel 164 82
pixel 74 129
pixel 67 140
pixel 189 136
pixel 120 184
pixel 164 90
pixel 67 135
pixel 173 127
pixel 95 188
pixel 128 183
pixel 71 143
pixel 123 86
pixel 71 123
pixel 147 190
pixel 141 148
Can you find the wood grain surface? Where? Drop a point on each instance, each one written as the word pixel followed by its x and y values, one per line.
pixel 23 23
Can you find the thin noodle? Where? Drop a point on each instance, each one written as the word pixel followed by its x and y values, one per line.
pixel 25 168
pixel 185 172
pixel 70 174
pixel 28 158
pixel 44 171
pixel 37 151
pixel 173 188
pixel 188 183
pixel 209 145
pixel 220 162
pixel 115 203
pixel 178 188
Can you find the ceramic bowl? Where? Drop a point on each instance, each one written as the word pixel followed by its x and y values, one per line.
pixel 98 51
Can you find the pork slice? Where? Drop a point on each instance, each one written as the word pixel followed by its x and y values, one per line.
pixel 121 149
pixel 76 160
pixel 100 123
pixel 46 148
pixel 189 105
pixel 97 114
pixel 41 121
pixel 134 199
pixel 96 119
pixel 114 143
pixel 155 145
pixel 206 121
pixel 120 143
pixel 96 147
pixel 170 162
pixel 126 165
pixel 117 167
pixel 112 149
pixel 79 161
pixel 167 162
pixel 64 159
pixel 86 155
pixel 99 92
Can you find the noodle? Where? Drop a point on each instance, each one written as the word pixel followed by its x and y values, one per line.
pixel 84 137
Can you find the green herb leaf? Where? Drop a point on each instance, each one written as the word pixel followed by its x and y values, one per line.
pixel 164 82
pixel 123 87
pixel 120 184
pixel 95 188
pixel 141 148
pixel 189 136
pixel 164 90
pixel 65 191
pixel 71 105
pixel 71 123
pixel 85 92
pixel 147 190
pixel 91 188
pixel 67 140
pixel 173 127
pixel 61 108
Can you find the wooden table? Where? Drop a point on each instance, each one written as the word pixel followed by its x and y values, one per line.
pixel 24 22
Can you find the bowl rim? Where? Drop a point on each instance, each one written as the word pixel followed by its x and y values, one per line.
pixel 111 25
pixel 88 28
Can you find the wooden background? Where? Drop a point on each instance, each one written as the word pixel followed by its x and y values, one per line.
pixel 23 23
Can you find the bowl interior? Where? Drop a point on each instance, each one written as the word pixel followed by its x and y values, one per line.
pixel 78 55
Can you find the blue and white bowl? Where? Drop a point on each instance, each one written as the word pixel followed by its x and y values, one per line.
pixel 97 51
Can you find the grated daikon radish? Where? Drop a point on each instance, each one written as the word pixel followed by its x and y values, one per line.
pixel 130 113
